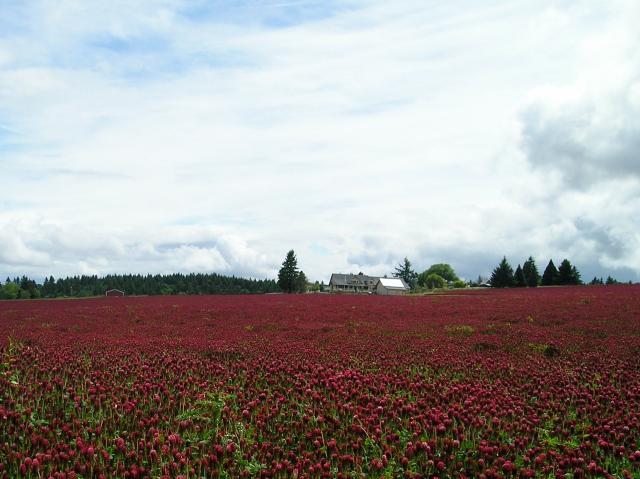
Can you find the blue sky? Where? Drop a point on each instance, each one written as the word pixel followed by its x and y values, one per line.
pixel 214 136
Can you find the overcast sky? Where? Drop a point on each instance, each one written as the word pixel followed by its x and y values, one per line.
pixel 214 136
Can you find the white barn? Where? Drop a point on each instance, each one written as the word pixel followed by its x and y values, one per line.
pixel 391 286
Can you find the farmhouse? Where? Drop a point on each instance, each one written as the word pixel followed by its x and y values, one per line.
pixel 114 292
pixel 391 286
pixel 352 283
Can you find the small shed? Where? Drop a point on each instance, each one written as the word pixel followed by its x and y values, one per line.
pixel 114 293
pixel 391 286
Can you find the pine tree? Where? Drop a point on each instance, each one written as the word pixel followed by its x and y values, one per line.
pixel 288 274
pixel 577 279
pixel 568 274
pixel 531 274
pixel 502 276
pixel 406 272
pixel 301 282
pixel 550 275
pixel 519 279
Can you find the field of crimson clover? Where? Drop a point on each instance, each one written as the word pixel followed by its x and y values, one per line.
pixel 496 384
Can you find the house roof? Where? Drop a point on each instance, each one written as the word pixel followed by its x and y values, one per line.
pixel 393 283
pixel 351 279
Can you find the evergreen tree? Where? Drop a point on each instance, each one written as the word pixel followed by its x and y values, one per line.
pixel 611 281
pixel 519 279
pixel 568 274
pixel 406 272
pixel 288 274
pixel 564 272
pixel 550 275
pixel 502 276
pixel 531 274
pixel 301 282
pixel 79 286
pixel 577 278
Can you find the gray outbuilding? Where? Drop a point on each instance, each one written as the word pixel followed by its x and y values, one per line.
pixel 391 286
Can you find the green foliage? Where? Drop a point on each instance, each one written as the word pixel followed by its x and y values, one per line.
pixel 406 272
pixel 550 275
pixel 29 288
pixel 519 279
pixel 575 275
pixel 459 284
pixel 502 276
pixel 531 274
pixel 24 294
pixel 208 414
pixel 568 274
pixel 434 281
pixel 135 284
pixel 301 283
pixel 10 291
pixel 443 270
pixel 290 280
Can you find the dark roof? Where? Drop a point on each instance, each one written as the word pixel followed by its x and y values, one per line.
pixel 352 279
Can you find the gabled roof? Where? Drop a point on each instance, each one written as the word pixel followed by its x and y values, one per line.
pixel 393 283
pixel 351 279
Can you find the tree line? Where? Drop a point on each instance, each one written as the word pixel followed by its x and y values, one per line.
pixel 290 280
pixel 437 275
pixel 609 281
pixel 134 284
pixel 504 276
pixel 527 275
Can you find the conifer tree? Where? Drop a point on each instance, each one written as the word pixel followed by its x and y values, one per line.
pixel 531 274
pixel 550 275
pixel 502 276
pixel 406 272
pixel 301 282
pixel 288 274
pixel 568 274
pixel 519 278
pixel 575 275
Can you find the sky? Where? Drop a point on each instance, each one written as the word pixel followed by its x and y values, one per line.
pixel 214 136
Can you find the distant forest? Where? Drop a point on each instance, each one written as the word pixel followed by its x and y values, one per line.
pixel 134 284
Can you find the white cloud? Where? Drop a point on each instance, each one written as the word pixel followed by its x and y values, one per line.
pixel 155 140
pixel 35 245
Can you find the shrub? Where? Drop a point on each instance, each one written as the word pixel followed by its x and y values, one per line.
pixel 434 281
